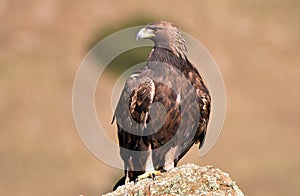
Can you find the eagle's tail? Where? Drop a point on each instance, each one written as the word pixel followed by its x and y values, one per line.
pixel 120 183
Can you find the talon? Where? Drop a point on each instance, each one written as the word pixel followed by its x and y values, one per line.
pixel 151 174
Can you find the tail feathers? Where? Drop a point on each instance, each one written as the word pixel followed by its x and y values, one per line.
pixel 119 183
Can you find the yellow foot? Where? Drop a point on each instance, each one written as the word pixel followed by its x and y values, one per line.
pixel 150 174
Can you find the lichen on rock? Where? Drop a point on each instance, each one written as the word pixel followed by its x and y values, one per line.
pixel 189 179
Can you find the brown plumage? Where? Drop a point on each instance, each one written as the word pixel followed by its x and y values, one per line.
pixel 164 107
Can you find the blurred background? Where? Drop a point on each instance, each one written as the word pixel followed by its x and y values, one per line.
pixel 42 43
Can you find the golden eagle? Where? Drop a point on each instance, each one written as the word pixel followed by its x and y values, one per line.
pixel 164 107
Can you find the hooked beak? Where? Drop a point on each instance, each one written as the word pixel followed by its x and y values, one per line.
pixel 144 33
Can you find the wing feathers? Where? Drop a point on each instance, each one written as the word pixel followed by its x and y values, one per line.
pixel 141 99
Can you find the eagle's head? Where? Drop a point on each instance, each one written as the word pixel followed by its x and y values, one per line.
pixel 164 35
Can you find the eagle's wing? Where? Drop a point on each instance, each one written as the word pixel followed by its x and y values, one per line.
pixel 135 102
pixel 205 108
pixel 132 114
pixel 141 99
pixel 204 101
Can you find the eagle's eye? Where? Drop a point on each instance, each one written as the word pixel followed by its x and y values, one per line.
pixel 153 29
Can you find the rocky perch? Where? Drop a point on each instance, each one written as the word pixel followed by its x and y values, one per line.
pixel 187 179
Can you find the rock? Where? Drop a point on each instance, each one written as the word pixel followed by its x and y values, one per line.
pixel 187 179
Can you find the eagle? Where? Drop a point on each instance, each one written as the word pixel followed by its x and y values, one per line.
pixel 164 107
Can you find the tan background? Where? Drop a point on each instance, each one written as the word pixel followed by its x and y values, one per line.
pixel 255 43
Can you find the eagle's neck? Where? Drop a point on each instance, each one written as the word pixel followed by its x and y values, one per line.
pixel 165 55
